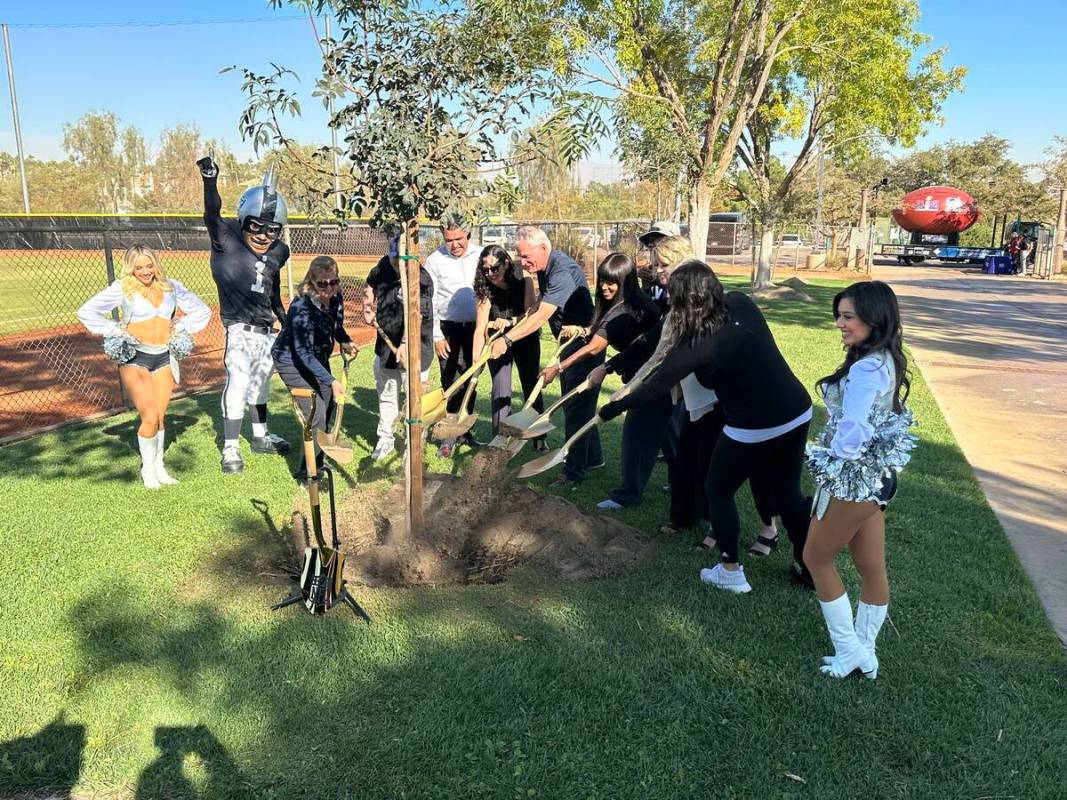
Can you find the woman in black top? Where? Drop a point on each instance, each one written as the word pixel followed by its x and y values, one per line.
pixel 504 293
pixel 623 313
pixel 314 324
pixel 724 341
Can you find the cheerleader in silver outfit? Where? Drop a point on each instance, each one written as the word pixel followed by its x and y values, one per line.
pixel 147 344
pixel 855 463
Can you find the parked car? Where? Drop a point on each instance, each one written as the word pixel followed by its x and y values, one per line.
pixel 791 240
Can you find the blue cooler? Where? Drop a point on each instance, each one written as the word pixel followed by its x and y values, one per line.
pixel 990 267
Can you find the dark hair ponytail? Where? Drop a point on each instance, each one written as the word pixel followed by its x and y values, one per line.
pixel 876 305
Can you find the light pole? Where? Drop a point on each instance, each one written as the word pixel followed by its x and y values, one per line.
pixel 15 115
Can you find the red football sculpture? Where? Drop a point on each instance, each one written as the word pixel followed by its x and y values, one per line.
pixel 936 209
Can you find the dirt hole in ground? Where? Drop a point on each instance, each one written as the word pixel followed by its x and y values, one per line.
pixel 478 526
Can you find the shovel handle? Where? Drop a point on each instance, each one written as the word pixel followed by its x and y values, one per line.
pixel 388 341
pixel 562 342
pixel 582 431
pixel 548 412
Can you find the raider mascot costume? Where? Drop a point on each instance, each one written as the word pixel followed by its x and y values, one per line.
pixel 246 259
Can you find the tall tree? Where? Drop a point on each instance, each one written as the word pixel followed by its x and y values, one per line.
pixel 706 63
pixel 424 95
pixel 113 160
pixel 849 76
pixel 176 188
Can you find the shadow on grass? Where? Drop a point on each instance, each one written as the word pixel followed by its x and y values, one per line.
pixel 608 688
pixel 215 772
pixel 49 760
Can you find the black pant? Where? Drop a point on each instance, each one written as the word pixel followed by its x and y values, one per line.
pixel 695 445
pixel 460 338
pixel 525 354
pixel 777 465
pixel 643 432
pixel 296 378
pixel 578 411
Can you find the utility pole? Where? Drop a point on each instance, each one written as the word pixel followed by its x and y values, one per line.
pixel 819 195
pixel 333 130
pixel 1061 225
pixel 15 116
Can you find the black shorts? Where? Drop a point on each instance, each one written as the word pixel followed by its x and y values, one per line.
pixel 887 492
pixel 153 362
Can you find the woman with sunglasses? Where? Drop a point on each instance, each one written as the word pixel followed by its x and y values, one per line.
pixel 623 313
pixel 302 352
pixel 504 293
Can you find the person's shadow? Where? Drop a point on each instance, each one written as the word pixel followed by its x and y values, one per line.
pixel 50 760
pixel 214 772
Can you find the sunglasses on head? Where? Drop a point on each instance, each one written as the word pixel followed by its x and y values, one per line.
pixel 271 229
pixel 328 284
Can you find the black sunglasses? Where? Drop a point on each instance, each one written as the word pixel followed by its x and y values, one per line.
pixel 328 284
pixel 272 229
pixel 495 268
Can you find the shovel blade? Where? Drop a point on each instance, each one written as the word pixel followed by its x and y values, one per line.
pixel 543 464
pixel 518 422
pixel 341 454
pixel 431 400
pixel 540 429
pixel 327 439
pixel 452 427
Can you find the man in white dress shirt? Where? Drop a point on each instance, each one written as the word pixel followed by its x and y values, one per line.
pixel 452 268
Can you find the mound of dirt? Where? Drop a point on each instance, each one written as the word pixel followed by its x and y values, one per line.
pixel 479 525
pixel 789 289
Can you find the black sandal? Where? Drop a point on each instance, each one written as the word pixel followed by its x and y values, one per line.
pixel 707 544
pixel 769 542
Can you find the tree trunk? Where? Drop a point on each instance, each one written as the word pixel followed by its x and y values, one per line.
pixel 764 266
pixel 409 267
pixel 699 212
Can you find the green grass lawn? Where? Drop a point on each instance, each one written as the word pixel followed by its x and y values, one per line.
pixel 138 656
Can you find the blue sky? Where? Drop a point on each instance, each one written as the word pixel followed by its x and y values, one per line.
pixel 154 77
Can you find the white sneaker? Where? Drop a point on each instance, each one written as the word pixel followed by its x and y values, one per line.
pixel 730 580
pixel 609 505
pixel 383 449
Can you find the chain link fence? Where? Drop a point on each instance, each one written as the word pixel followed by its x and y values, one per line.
pixel 53 371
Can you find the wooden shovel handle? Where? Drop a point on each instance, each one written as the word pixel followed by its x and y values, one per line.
pixel 581 387
pixel 552 360
pixel 386 339
pixel 582 431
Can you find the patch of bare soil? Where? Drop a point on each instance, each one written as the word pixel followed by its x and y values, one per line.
pixel 478 526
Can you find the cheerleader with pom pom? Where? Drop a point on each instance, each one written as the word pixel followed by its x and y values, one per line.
pixel 147 344
pixel 855 463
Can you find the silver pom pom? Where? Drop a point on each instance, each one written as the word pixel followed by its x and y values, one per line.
pixel 860 480
pixel 181 344
pixel 120 346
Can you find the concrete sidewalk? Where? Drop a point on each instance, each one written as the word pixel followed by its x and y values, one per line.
pixel 994 351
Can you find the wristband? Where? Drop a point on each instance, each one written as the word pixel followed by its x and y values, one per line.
pixel 507 341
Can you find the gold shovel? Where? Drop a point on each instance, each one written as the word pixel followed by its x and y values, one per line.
pixel 543 424
pixel 339 452
pixel 557 457
pixel 453 426
pixel 514 424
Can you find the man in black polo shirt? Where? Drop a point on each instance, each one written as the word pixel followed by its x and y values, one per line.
pixel 246 259
pixel 565 300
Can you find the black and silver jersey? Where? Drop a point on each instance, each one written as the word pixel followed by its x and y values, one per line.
pixel 248 284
